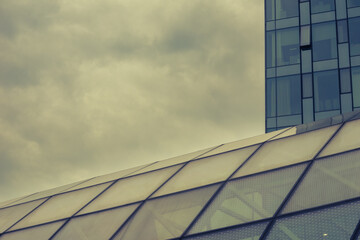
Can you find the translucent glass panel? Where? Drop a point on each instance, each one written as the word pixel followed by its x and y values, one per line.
pixel 108 177
pixel 248 199
pixel 249 232
pixel 175 160
pixel 43 232
pixel 324 41
pixel 286 8
pixel 243 143
pixel 288 95
pixel 326 91
pixel 346 139
pixel 318 6
pixel 329 180
pixel 10 215
pixel 167 217
pixel 206 171
pixel 287 46
pixel 331 223
pixel 354 35
pixel 96 226
pixel 131 189
pixel 287 151
pixel 60 206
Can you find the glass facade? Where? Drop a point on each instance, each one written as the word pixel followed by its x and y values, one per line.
pixel 312 60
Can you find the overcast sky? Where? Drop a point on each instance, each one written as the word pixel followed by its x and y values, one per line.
pixel 89 87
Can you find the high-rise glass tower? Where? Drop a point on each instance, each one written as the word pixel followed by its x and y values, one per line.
pixel 312 60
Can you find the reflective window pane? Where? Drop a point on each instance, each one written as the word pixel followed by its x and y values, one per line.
pixel 345 80
pixel 206 171
pixel 318 6
pixel 356 86
pixel 329 180
pixel 270 49
pixel 286 151
pixel 304 13
pixel 305 36
pixel 353 3
pixel 60 206
pixel 249 232
pixel 287 46
pixel 342 31
pixel 307 85
pixel 248 199
pixel 354 35
pixel 166 217
pixel 324 41
pixel 326 91
pixel 346 139
pixel 96 226
pixel 286 8
pixel 288 95
pixel 270 10
pixel 10 215
pixel 43 232
pixel 131 189
pixel 332 223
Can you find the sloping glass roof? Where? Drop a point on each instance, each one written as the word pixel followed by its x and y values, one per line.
pixel 296 183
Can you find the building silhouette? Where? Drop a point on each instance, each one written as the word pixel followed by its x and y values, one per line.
pixel 312 60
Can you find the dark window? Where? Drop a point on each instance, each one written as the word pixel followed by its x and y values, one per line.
pixel 342 31
pixel 324 41
pixel 353 3
pixel 270 10
pixel 318 6
pixel 356 86
pixel 307 85
pixel 287 46
pixel 288 95
pixel 286 8
pixel 270 49
pixel 354 33
pixel 345 80
pixel 271 97
pixel 326 91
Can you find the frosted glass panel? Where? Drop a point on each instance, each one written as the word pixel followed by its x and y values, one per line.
pixel 167 217
pixel 248 199
pixel 346 139
pixel 206 171
pixel 278 153
pixel 108 177
pixel 329 180
pixel 131 189
pixel 10 215
pixel 61 206
pixel 43 232
pixel 329 224
pixel 174 160
pixel 96 226
pixel 250 232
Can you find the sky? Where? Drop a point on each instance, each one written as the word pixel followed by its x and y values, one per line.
pixel 91 87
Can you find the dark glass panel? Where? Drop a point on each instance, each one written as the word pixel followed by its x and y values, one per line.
pixel 270 10
pixel 326 91
pixel 287 46
pixel 288 95
pixel 353 3
pixel 345 80
pixel 342 31
pixel 318 6
pixel 271 97
pixel 354 35
pixel 286 8
pixel 356 86
pixel 270 49
pixel 324 41
pixel 307 85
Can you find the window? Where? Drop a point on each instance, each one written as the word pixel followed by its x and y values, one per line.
pixel 270 10
pixel 307 85
pixel 318 6
pixel 288 95
pixel 287 46
pixel 305 36
pixel 286 8
pixel 270 49
pixel 324 41
pixel 271 97
pixel 326 91
pixel 353 3
pixel 354 34
pixel 342 31
pixel 356 86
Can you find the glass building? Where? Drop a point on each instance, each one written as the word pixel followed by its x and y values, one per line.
pixel 312 60
pixel 296 183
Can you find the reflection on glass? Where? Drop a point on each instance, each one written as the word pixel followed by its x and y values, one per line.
pixel 354 35
pixel 287 46
pixel 286 8
pixel 353 3
pixel 270 49
pixel 324 41
pixel 342 31
pixel 318 6
pixel 307 85
pixel 326 91
pixel 270 10
pixel 271 97
pixel 345 80
pixel 288 95
pixel 356 86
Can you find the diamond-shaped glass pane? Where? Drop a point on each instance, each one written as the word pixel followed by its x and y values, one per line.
pixel 168 216
pixel 329 180
pixel 248 199
pixel 331 223
pixel 346 139
pixel 283 152
pixel 97 226
pixel 60 206
pixel 249 232
pixel 206 171
pixel 10 215
pixel 43 232
pixel 131 189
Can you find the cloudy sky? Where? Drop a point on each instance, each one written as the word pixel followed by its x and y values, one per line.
pixel 89 87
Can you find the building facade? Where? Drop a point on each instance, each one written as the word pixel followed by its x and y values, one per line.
pixel 312 60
